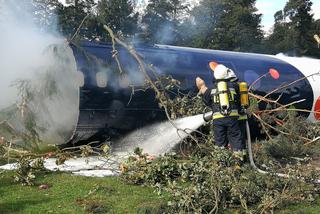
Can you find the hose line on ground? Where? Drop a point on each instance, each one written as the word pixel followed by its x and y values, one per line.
pixel 252 161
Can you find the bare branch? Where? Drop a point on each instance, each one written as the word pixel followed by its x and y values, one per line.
pixel 78 29
pixel 289 84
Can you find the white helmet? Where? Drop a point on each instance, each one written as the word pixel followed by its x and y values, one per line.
pixel 231 75
pixel 220 72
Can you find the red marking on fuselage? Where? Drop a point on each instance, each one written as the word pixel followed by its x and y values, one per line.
pixel 317 109
pixel 274 73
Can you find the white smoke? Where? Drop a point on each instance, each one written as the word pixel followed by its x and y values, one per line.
pixel 34 53
pixel 22 44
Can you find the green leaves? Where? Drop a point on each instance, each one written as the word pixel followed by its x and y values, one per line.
pixel 27 170
pixel 210 180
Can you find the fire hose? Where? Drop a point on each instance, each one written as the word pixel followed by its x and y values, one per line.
pixel 282 175
pixel 208 115
pixel 254 166
pixel 223 98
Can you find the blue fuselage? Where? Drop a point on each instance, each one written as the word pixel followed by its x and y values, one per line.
pixel 105 109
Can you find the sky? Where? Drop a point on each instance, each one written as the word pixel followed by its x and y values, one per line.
pixel 269 7
pixel 266 7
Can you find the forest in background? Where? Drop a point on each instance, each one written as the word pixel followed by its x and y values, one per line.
pixel 233 25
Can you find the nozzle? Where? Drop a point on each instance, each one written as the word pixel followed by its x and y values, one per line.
pixel 207 116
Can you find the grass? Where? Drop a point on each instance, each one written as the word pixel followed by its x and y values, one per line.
pixel 70 194
pixel 302 208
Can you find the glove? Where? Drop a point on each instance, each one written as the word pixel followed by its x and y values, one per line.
pixel 200 83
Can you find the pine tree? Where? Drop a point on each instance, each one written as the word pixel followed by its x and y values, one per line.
pixel 283 36
pixel 227 25
pixel 162 20
pixel 293 30
pixel 299 13
pixel 70 17
pixel 119 15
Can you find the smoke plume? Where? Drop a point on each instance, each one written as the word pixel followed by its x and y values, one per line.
pixel 37 55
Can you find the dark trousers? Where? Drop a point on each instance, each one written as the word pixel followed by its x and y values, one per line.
pixel 227 130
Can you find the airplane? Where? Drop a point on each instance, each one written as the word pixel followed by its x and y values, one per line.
pixel 108 108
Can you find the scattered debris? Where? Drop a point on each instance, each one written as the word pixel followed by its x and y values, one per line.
pixel 44 186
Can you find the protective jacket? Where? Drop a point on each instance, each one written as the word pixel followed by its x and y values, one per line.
pixel 211 99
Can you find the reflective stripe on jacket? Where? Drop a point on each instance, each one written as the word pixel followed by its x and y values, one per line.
pixel 243 117
pixel 218 115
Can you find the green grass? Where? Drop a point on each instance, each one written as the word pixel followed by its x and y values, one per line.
pixel 70 194
pixel 302 208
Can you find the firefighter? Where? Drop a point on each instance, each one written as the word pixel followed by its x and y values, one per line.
pixel 223 98
pixel 242 106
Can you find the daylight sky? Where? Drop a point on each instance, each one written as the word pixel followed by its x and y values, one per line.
pixel 266 7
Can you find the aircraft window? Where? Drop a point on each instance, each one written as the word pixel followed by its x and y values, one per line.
pixel 102 80
pixel 157 70
pixel 124 81
pixel 170 62
pixel 251 77
pixel 80 79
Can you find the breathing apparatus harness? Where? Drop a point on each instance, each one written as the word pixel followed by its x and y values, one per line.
pixel 244 100
pixel 224 100
pixel 223 97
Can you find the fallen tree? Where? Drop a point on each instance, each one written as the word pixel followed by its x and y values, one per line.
pixel 205 179
pixel 210 179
